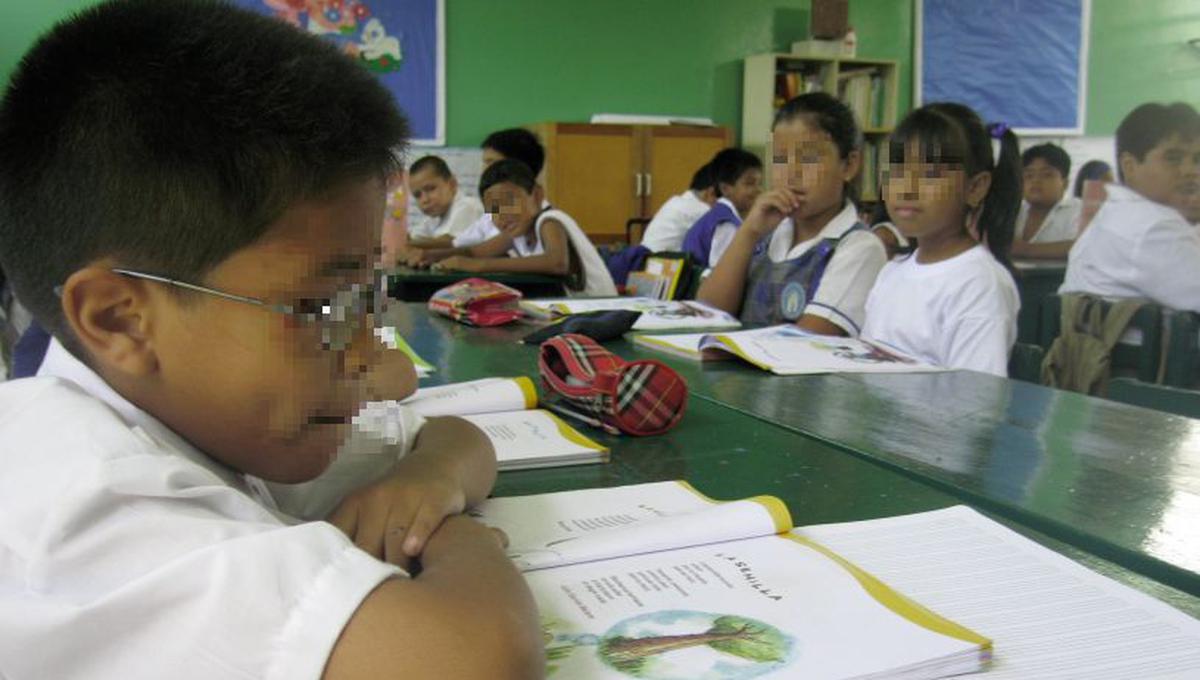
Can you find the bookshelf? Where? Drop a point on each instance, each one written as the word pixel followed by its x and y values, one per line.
pixel 868 86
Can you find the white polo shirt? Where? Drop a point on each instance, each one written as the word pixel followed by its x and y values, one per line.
pixel 127 553
pixel 1136 248
pixel 672 221
pixel 958 313
pixel 464 211
pixel 842 294
pixel 1061 223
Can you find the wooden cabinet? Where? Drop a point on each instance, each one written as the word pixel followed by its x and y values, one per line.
pixel 604 175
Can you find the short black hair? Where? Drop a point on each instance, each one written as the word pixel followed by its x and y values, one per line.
pixel 508 170
pixel 1090 170
pixel 1149 124
pixel 730 164
pixel 169 135
pixel 1052 154
pixel 825 112
pixel 703 178
pixel 432 163
pixel 520 144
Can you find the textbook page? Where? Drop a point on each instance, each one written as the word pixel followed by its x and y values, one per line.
pixel 1049 616
pixel 686 345
pixel 768 607
pixel 656 315
pixel 554 529
pixel 488 395
pixel 536 438
pixel 788 350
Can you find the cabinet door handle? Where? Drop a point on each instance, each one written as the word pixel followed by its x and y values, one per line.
pixel 649 184
pixel 639 183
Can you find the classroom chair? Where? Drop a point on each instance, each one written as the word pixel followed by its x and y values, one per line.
pixel 1181 362
pixel 1141 360
pixel 1025 362
pixel 1157 397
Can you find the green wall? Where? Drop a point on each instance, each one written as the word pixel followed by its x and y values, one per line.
pixel 523 61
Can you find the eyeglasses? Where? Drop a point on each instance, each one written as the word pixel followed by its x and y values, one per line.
pixel 339 318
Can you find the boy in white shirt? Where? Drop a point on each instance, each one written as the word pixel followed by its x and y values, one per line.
pixel 447 211
pixel 1139 245
pixel 212 307
pixel 1049 218
pixel 672 221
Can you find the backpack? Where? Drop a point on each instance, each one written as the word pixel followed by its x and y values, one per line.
pixel 1080 357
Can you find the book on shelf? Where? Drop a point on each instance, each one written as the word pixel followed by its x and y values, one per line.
pixel 788 350
pixel 855 89
pixel 657 581
pixel 656 314
pixel 505 409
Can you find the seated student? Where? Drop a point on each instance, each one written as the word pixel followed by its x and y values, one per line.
pixel 672 221
pixel 1092 170
pixel 738 177
pixel 953 301
pixel 820 261
pixel 448 212
pixel 1049 218
pixel 1139 245
pixel 212 331
pixel 534 238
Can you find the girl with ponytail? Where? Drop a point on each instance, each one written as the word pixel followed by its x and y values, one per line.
pixel 952 302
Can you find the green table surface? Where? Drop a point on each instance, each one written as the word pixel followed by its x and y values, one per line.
pixel 728 453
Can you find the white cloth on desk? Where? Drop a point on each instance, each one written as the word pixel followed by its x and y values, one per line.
pixel 1061 223
pixel 464 211
pixel 672 221
pixel 958 313
pixel 1136 248
pixel 841 296
pixel 597 282
pixel 126 552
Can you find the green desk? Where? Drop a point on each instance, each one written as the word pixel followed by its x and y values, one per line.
pixel 729 453
pixel 1036 279
pixel 1117 481
pixel 417 285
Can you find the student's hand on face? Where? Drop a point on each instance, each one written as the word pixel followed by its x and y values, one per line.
pixel 460 263
pixel 393 518
pixel 770 208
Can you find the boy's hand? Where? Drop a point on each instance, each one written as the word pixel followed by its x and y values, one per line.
pixel 414 257
pixel 393 518
pixel 769 209
pixel 460 263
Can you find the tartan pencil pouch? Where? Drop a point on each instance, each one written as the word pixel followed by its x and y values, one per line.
pixel 637 397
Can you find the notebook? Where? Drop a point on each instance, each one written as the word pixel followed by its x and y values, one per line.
pixel 788 350
pixel 656 315
pixel 505 409
pixel 657 581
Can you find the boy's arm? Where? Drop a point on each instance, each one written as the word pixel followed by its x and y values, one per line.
pixel 451 467
pixel 443 241
pixel 1057 250
pixel 468 615
pixel 556 259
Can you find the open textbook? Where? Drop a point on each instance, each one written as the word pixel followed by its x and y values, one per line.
pixel 788 350
pixel 657 581
pixel 505 409
pixel 657 315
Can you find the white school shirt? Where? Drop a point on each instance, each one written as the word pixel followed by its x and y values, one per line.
pixel 672 221
pixel 464 211
pixel 597 282
pixel 722 235
pixel 1136 248
pixel 481 230
pixel 842 294
pixel 958 313
pixel 1061 223
pixel 127 553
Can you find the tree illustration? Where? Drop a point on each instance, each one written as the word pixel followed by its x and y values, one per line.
pixel 740 637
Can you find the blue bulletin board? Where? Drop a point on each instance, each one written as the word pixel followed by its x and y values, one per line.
pixel 1020 62
pixel 401 41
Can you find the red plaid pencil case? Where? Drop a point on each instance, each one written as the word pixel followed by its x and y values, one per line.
pixel 637 397
pixel 478 302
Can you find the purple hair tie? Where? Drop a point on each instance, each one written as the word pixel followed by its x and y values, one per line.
pixel 997 130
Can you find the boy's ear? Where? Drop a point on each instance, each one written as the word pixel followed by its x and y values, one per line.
pixel 977 189
pixel 111 318
pixel 453 182
pixel 539 195
pixel 1129 165
pixel 724 189
pixel 851 165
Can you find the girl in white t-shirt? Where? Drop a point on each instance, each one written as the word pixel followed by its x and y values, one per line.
pixel 534 237
pixel 953 302
pixel 802 255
